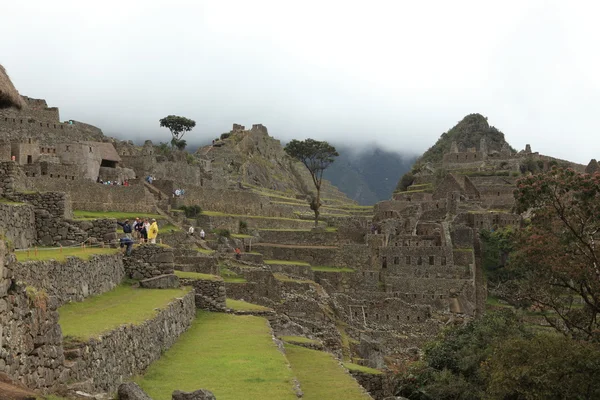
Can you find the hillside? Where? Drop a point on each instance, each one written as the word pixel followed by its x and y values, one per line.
pixel 467 134
pixel 369 176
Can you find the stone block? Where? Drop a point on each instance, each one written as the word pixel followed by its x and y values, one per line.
pixel 168 281
pixel 131 391
pixel 201 394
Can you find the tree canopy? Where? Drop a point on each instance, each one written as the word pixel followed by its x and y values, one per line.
pixel 178 127
pixel 316 157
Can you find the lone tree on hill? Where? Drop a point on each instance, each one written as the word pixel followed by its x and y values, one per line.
pixel 178 127
pixel 316 157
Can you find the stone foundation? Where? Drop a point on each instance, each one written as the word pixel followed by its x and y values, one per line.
pixel 74 279
pixel 149 260
pixel 210 295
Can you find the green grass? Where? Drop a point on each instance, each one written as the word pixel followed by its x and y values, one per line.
pixel 10 203
pixel 240 305
pixel 56 254
pixel 197 275
pixel 299 339
pixel 230 276
pixel 81 214
pixel 204 251
pixel 232 356
pixel 360 368
pixel 323 268
pixel 284 262
pixel 122 305
pixel 169 228
pixel 241 236
pixel 320 375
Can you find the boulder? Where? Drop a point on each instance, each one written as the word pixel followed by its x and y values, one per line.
pixel 168 281
pixel 201 394
pixel 131 391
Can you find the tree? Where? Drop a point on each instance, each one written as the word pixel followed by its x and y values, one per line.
pixel 556 264
pixel 178 127
pixel 316 157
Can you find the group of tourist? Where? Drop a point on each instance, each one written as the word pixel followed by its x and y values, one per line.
pixel 178 192
pixel 145 231
pixel 113 183
pixel 150 179
pixel 202 233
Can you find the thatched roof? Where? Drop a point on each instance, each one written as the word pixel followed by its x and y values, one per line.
pixel 9 97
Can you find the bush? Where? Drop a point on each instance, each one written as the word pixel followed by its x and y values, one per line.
pixel 225 135
pixel 191 211
pixel 222 233
pixel 242 226
pixel 406 180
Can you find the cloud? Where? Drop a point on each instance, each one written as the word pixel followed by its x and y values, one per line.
pixel 392 72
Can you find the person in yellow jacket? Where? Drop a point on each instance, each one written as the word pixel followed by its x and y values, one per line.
pixel 153 231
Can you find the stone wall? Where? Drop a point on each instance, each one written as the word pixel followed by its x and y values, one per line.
pixel 17 224
pixel 232 223
pixel 379 386
pixel 22 126
pixel 74 279
pixel 30 338
pixel 90 196
pixel 307 237
pixel 99 230
pixel 149 260
pixel 209 294
pixel 128 350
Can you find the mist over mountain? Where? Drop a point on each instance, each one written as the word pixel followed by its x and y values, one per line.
pixel 370 175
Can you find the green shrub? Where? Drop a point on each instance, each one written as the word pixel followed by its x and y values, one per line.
pixel 225 135
pixel 406 180
pixel 191 211
pixel 242 226
pixel 222 232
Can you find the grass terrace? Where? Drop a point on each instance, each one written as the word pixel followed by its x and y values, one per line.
pixel 53 253
pixel 321 376
pixel 323 268
pixel 241 236
pixel 220 214
pixel 10 203
pixel 120 216
pixel 240 305
pixel 360 368
pixel 284 262
pixel 299 339
pixel 168 228
pixel 197 275
pixel 122 305
pixel 232 356
pixel 204 251
pixel 230 276
pixel 329 229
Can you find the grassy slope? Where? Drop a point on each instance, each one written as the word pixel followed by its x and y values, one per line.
pixel 232 356
pixel 284 262
pixel 197 275
pixel 240 305
pixel 57 254
pixel 321 377
pixel 122 305
pixel 324 268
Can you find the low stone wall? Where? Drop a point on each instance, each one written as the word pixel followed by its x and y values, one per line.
pixel 379 386
pixel 303 271
pixel 311 255
pixel 128 350
pixel 149 260
pixel 17 223
pixel 72 280
pixel 210 295
pixel 101 230
pixel 232 223
pixel 307 237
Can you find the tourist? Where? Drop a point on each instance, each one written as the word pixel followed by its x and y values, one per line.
pixel 153 231
pixel 126 228
pixel 126 241
pixel 135 228
pixel 202 234
pixel 238 253
pixel 191 230
pixel 144 231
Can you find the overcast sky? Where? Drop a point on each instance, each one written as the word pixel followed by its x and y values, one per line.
pixel 395 72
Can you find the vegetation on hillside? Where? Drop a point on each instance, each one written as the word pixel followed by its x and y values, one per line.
pixel 178 127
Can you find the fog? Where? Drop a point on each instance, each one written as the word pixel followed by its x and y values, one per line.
pixel 395 73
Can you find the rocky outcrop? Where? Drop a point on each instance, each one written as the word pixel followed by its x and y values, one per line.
pixel 201 394
pixel 131 391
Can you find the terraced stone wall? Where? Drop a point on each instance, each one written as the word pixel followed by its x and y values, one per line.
pixel 100 230
pixel 232 223
pixel 379 386
pixel 28 326
pixel 307 237
pixel 129 350
pixel 17 224
pixel 74 279
pixel 149 260
pixel 209 294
